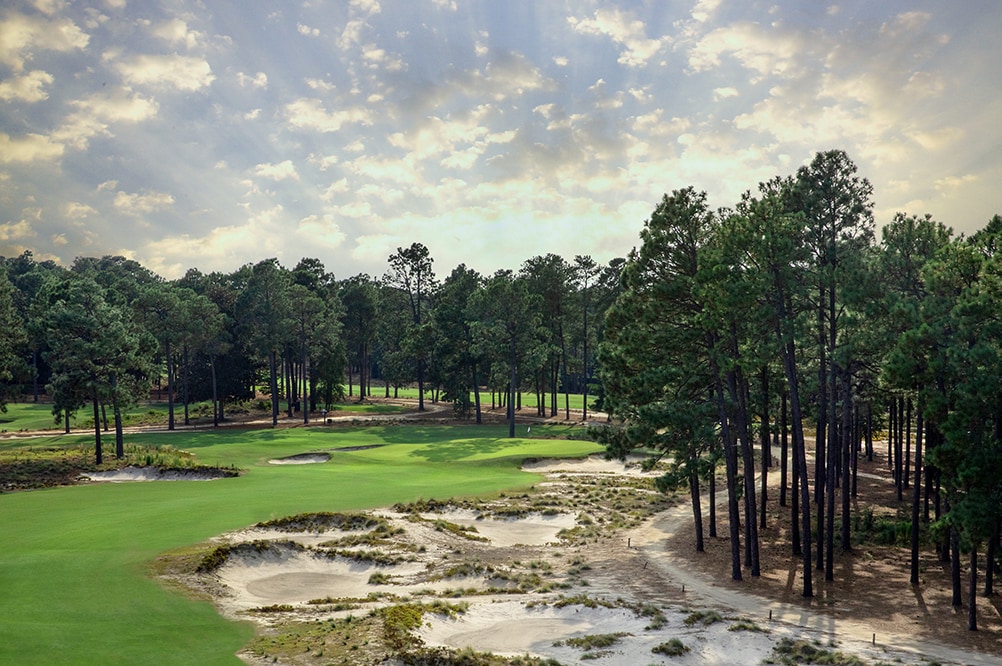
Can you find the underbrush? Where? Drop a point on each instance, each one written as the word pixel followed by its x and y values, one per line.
pixel 29 467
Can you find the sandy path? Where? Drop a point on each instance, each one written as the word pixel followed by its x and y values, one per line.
pixel 650 540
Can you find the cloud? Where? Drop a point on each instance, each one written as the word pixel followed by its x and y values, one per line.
pixel 19 230
pixel 627 31
pixel 27 88
pixel 321 231
pixel 28 148
pixel 307 31
pixel 281 171
pixel 22 34
pixel 78 211
pixel 308 113
pixel 118 104
pixel 166 71
pixel 176 31
pixel 724 93
pixel 259 80
pixel 765 51
pixel 142 203
pixel 904 23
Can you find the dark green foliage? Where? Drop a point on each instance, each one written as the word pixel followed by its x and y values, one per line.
pixel 671 648
pixel 791 652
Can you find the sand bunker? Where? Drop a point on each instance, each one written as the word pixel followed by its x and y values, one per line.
pixel 596 464
pixel 532 530
pixel 576 597
pixel 301 459
pixel 127 474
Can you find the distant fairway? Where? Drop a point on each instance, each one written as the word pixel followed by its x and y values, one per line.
pixel 74 560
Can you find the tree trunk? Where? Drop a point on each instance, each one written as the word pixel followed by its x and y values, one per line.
pixel 170 386
pixel 511 387
pixel 899 468
pixel 713 502
pixel 97 430
pixel 916 498
pixel 697 512
pixel 273 366
pixel 730 462
pixel 304 402
pixel 766 446
pixel 972 593
pixel 783 453
pixel 908 444
pixel 955 567
pixel 990 555
pixel 117 411
pixel 184 385
pixel 476 394
pixel 740 387
pixel 848 444
pixel 215 392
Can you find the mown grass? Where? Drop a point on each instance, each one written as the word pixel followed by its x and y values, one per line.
pixel 75 564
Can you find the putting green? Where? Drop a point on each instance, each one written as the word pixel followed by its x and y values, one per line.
pixel 73 562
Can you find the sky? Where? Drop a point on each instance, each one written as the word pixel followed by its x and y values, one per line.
pixel 209 134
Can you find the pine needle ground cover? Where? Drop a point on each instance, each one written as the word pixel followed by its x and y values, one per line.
pixel 75 560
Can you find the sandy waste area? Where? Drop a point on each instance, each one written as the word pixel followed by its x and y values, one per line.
pixel 538 581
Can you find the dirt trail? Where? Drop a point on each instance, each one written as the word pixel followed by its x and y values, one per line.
pixel 650 541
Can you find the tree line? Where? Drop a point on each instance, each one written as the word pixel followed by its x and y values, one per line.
pixel 780 326
pixel 740 331
pixel 95 337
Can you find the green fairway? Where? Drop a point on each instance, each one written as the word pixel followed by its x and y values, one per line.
pixel 27 416
pixel 74 560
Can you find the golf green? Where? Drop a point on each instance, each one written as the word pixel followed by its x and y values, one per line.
pixel 73 565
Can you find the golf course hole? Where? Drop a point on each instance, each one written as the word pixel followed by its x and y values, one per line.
pixel 301 459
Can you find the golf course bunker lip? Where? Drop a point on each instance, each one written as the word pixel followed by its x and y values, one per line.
pixel 301 459
pixel 511 628
pixel 534 529
pixel 595 464
pixel 364 447
pixel 284 576
pixel 132 473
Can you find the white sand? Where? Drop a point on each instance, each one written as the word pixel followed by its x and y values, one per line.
pixel 301 459
pixel 505 625
pixel 127 474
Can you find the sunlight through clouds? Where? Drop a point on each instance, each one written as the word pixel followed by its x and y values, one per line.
pixel 209 134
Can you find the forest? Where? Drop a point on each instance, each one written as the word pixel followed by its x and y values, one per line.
pixel 779 326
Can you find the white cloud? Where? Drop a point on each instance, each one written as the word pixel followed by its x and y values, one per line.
pixel 904 23
pixel 21 35
pixel 724 93
pixel 320 85
pixel 118 104
pixel 166 71
pixel 259 80
pixel 306 113
pixel 176 31
pixel 705 9
pixel 627 31
pixel 28 148
pixel 321 231
pixel 27 88
pixel 766 51
pixel 77 211
pixel 282 171
pixel 15 230
pixel 307 31
pixel 138 204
